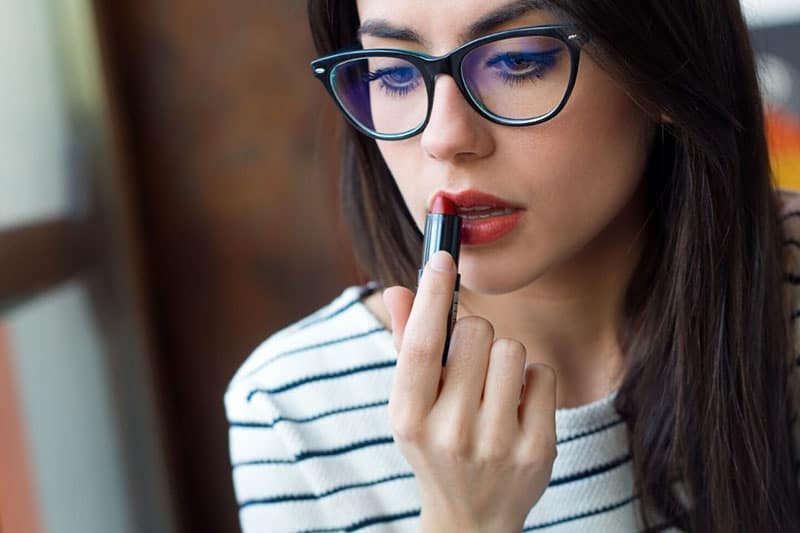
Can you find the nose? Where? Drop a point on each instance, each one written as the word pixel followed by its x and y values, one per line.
pixel 455 131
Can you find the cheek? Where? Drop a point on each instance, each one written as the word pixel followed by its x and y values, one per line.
pixel 402 158
pixel 612 130
pixel 594 153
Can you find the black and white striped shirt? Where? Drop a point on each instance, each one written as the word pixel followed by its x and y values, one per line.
pixel 312 450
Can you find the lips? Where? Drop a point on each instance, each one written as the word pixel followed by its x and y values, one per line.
pixel 485 218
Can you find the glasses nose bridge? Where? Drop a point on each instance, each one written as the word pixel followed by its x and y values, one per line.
pixel 448 65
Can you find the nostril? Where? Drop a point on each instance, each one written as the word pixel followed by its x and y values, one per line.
pixel 455 132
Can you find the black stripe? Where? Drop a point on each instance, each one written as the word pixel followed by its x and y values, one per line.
pixel 364 291
pixel 310 454
pixel 610 425
pixel 265 425
pixel 369 522
pixel 791 242
pixel 319 320
pixel 312 347
pixel 795 314
pixel 311 496
pixel 322 377
pixel 791 214
pixel 594 471
pixel 797 361
pixel 789 277
pixel 586 514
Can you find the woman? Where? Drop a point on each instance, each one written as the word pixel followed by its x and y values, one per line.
pixel 623 358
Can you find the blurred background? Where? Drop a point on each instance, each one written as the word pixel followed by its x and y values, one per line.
pixel 168 198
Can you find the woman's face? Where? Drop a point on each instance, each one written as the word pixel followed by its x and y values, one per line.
pixel 571 178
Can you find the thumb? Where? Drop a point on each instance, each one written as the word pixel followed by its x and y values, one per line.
pixel 398 302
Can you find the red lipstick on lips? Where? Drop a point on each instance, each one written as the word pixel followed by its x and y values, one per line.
pixel 485 218
pixel 443 232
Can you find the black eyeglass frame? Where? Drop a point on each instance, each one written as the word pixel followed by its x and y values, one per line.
pixel 452 64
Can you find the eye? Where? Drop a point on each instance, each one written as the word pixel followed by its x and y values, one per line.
pixel 523 65
pixel 396 80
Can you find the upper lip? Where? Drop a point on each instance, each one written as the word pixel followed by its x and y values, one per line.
pixel 472 198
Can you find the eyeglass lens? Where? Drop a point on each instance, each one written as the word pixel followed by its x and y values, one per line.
pixel 518 78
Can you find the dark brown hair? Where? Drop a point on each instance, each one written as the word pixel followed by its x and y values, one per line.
pixel 706 339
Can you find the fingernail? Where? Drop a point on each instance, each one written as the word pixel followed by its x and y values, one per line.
pixel 442 261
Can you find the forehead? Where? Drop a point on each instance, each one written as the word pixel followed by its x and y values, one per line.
pixel 446 23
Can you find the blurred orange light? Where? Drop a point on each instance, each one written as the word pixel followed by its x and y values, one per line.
pixel 783 137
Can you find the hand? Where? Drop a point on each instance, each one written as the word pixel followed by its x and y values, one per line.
pixel 479 433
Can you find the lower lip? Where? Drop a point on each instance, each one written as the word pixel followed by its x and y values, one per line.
pixel 485 230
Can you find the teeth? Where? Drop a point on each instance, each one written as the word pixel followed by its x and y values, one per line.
pixel 475 208
pixel 491 212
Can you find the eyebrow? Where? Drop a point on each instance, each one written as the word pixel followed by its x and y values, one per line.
pixel 485 24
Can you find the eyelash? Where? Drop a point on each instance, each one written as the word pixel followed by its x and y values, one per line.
pixel 544 61
pixel 381 74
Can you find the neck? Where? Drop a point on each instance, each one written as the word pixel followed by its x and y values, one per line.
pixel 571 318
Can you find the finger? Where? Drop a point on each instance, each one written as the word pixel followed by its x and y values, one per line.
pixel 419 363
pixel 398 302
pixel 501 393
pixel 537 408
pixel 468 359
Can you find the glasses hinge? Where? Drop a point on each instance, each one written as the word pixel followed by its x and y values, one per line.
pixel 578 38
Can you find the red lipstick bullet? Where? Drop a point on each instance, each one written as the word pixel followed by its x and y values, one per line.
pixel 443 205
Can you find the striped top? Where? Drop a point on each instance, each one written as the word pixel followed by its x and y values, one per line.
pixel 312 450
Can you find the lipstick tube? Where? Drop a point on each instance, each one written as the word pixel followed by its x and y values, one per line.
pixel 443 232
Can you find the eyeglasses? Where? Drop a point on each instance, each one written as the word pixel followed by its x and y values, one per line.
pixel 517 77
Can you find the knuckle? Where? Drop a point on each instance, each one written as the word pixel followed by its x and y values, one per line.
pixel 540 464
pixel 455 442
pixel 406 427
pixel 493 450
pixel 539 452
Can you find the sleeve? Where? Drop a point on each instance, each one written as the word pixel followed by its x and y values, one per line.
pixel 790 212
pixel 273 491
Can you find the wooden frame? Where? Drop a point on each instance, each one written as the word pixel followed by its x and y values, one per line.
pixel 39 256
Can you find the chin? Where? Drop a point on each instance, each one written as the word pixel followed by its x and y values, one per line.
pixel 484 279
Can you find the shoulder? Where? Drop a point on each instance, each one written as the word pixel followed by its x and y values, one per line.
pixel 299 409
pixel 341 339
